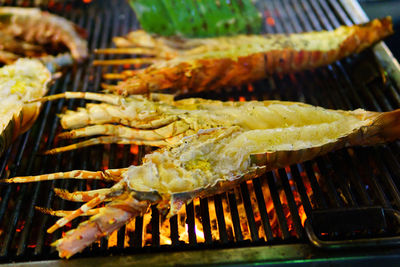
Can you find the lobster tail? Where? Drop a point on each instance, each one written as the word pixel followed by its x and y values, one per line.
pixel 385 128
pixel 116 214
pixel 367 34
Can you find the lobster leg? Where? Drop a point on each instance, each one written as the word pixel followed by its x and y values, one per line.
pixel 111 87
pixel 115 76
pixel 155 56
pixel 112 217
pixel 63 213
pixel 162 133
pixel 83 209
pixel 107 175
pixel 105 113
pixel 112 110
pixel 119 76
pixel 138 61
pixel 127 50
pixel 115 190
pixel 8 57
pixel 114 140
pixel 106 98
pixel 80 196
pixel 137 38
pixel 141 41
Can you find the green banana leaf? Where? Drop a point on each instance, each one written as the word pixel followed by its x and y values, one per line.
pixel 197 18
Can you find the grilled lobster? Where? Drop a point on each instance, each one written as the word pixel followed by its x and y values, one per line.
pixel 29 32
pixel 212 161
pixel 194 65
pixel 24 80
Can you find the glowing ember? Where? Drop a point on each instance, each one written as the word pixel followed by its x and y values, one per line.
pixel 134 149
pixel 182 227
pixel 165 231
pixel 228 218
pixel 147 236
pixel 242 217
pixel 213 220
pixel 198 227
pixel 270 21
pixel 113 238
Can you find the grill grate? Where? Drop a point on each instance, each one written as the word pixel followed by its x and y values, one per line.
pixel 266 210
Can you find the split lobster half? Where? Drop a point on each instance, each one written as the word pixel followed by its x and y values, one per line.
pixel 24 80
pixel 211 159
pixel 195 65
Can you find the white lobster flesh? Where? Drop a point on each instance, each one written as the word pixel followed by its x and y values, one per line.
pixel 24 80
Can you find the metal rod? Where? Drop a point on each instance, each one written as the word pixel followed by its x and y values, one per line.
pixel 249 211
pixel 235 217
pixel 262 208
pixel 205 220
pixel 291 203
pixel 278 205
pixel 219 210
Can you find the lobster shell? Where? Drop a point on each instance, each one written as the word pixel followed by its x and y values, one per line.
pixel 24 115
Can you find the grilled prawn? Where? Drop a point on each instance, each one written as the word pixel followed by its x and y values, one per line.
pixel 194 65
pixel 19 82
pixel 212 161
pixel 29 32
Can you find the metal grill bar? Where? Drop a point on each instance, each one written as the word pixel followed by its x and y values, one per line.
pixel 155 227
pixel 205 219
pixel 278 205
pixel 263 211
pixel 291 202
pixel 191 224
pixel 219 209
pixel 235 217
pixel 382 99
pixel 355 178
pixel 316 189
pixel 301 189
pixel 249 212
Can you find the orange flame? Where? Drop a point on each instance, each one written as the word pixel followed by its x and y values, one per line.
pixel 183 229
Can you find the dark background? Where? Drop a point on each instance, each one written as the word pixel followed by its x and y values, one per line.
pixel 382 8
